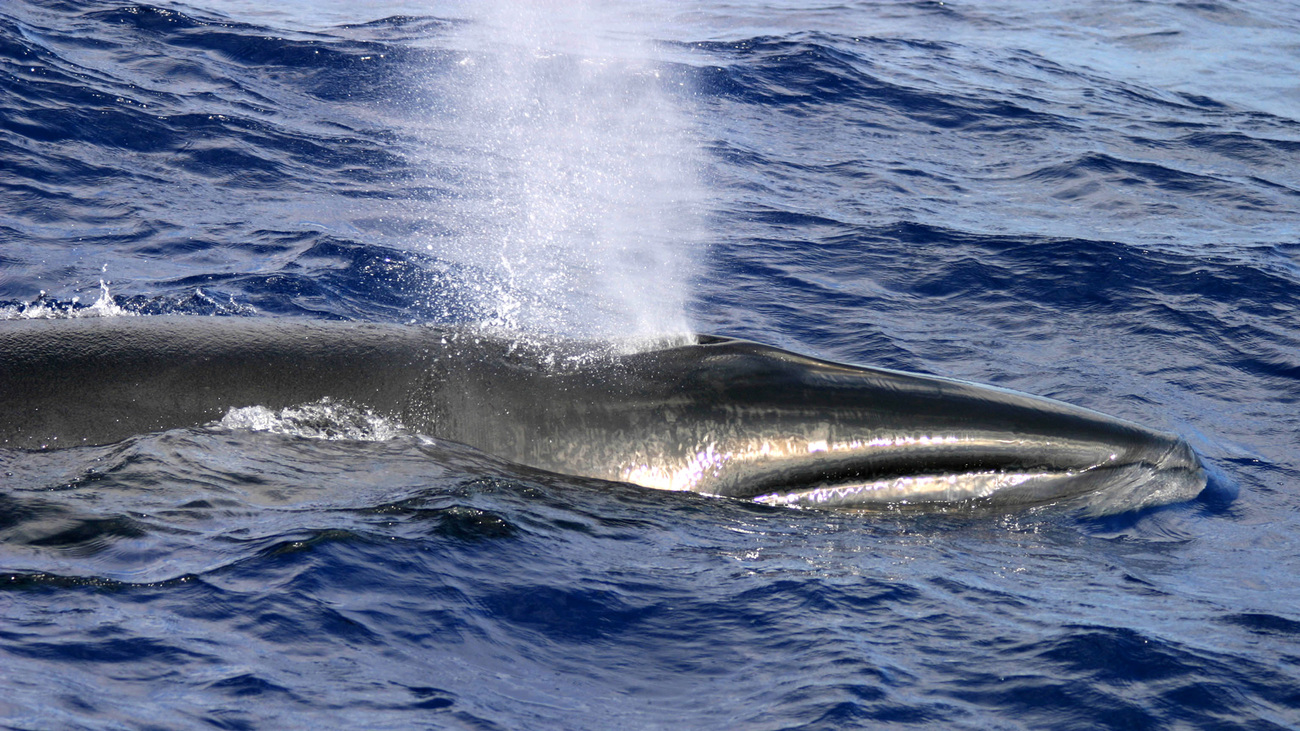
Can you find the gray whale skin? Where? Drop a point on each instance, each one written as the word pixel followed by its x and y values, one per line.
pixel 717 416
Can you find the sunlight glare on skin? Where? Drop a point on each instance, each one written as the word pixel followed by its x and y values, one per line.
pixel 712 460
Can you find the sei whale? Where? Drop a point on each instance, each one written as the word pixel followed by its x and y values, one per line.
pixel 716 416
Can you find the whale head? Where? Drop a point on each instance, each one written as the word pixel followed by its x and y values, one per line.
pixel 739 419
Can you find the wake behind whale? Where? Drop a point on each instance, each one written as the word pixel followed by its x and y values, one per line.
pixel 716 416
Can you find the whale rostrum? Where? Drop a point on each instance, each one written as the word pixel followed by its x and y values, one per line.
pixel 716 416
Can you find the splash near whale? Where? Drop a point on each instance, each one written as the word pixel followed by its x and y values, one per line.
pixel 715 416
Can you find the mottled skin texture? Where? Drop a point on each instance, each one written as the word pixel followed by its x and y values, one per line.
pixel 719 416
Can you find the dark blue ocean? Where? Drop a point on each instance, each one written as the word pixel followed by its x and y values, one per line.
pixel 1093 201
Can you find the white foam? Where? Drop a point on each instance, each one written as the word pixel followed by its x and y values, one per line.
pixel 324 419
pixel 41 309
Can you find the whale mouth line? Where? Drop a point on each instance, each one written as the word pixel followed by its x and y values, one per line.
pixel 901 490
pixel 1168 478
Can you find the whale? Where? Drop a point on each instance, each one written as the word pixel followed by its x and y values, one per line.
pixel 712 415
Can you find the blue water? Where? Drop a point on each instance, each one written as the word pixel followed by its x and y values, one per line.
pixel 1096 202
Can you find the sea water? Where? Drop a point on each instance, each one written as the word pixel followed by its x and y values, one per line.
pixel 1095 202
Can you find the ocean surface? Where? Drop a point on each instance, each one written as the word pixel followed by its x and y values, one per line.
pixel 1093 201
